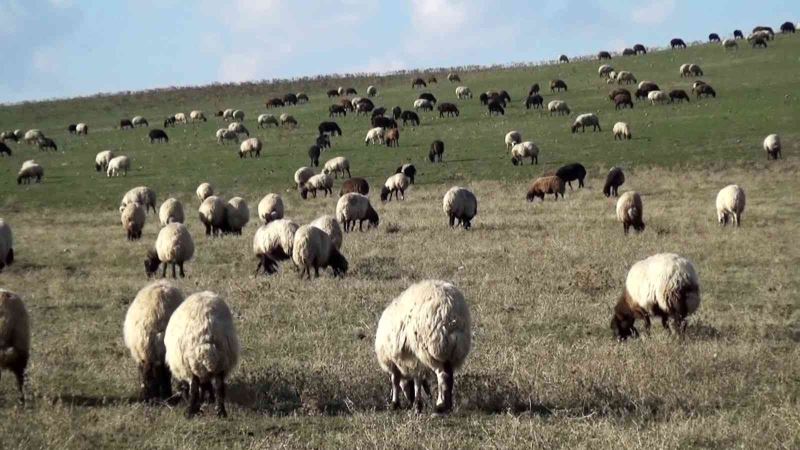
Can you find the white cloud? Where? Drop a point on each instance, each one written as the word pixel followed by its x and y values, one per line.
pixel 653 13
pixel 440 16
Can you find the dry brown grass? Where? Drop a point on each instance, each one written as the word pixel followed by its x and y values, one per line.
pixel 540 278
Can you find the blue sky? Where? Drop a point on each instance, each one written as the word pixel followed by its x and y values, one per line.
pixel 65 48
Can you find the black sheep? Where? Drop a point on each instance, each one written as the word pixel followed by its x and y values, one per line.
pixel 418 82
pixel 484 99
pixel 759 42
pixel 333 93
pixel 622 100
pixel 437 151
pixel 535 101
pixel 427 96
pixel 125 124
pixel 788 27
pixel 410 171
pixel 396 111
pixel 713 37
pixel 495 107
pixel 47 144
pixel 290 99
pixel 383 122
pixel 302 98
pixel 628 52
pixel 410 116
pixel 704 90
pixel 737 34
pixel 323 141
pixel 563 59
pixel 639 48
pixel 313 154
pixel 350 91
pixel 572 172
pixel 677 43
pixel 331 128
pixel 72 128
pixel 614 180
pixel 336 110
pixel 557 85
pixel 603 55
pixel 678 94
pixel 157 135
pixel 534 89
pixel 5 149
pixel 378 111
pixel 449 109
pixel 169 121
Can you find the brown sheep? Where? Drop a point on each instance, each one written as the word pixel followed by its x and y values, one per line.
pixel 392 137
pixel 557 85
pixel 622 100
pixel 358 185
pixel 546 185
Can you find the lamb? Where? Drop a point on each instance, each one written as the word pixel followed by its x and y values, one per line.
pixel 102 159
pixel 545 185
pixel 238 128
pixel 354 207
pixel 313 154
pixel 202 348
pixel 657 97
pixel 47 144
pixel 677 43
pixel 788 27
pixel 238 115
pixel 358 185
pixel 133 217
pixel 174 246
pixel 337 165
pixel 614 179
pixel 225 135
pixel 198 116
pixel 180 118
pixel 627 77
pixel 664 285
pixel 330 128
pixel 563 59
pixel 409 170
pixel 237 215
pixel 6 245
pixel 82 128
pixel 265 120
pixel 730 205
pixel 212 213
pixel 557 85
pixel 512 138
pixel 320 181
pixel 287 120
pixel 372 91
pixel 772 145
pixel 622 101
pixel 460 206
pixel 204 190
pixel 302 175
pixel 142 195
pixel 559 107
pixel 572 172
pixel 158 136
pixel 125 124
pixel 603 55
pixel 139 121
pixel 274 242
pixel 704 90
pixel 313 248
pixel 250 147
pixel 331 226
pixel 423 104
pixel 143 332
pixel 426 329
pixel 290 99
pixel 397 185
pixel 463 92
pixel 524 150
pixel 622 131
pixel 374 136
pixel 15 338
pixel 118 164
pixel 678 94
pixel 630 211
pixel 495 108
pixel 586 120
pixel 270 208
pixel 737 34
pixel 628 52
pixel 171 211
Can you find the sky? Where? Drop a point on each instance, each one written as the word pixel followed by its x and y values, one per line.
pixel 68 48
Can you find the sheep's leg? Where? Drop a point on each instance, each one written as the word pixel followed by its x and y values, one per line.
pixel 218 383
pixel 736 218
pixel 183 274
pixel 395 377
pixel 452 220
pixel 164 272
pixel 416 384
pixel 316 272
pixel 444 404
pixel 194 397
pixel 173 270
pixel 163 382
pixel 407 386
pixel 19 373
pixel 361 225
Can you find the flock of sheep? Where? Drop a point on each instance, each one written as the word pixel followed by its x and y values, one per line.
pixel 426 331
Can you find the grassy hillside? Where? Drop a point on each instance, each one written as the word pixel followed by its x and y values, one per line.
pixel 540 278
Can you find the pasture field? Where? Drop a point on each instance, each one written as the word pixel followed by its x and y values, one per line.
pixel 540 278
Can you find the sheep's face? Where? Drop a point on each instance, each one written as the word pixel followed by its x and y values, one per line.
pixel 385 192
pixel 151 263
pixel 514 161
pixel 623 327
pixel 304 192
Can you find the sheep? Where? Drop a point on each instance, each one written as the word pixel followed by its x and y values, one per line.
pixel 157 135
pixel 603 55
pixel 333 93
pixel 626 76
pixel 410 116
pixel 426 329
pixel 197 116
pixel 331 226
pixel 639 48
pixel 460 206
pixel 524 150
pixel 238 128
pixel 737 34
pixel 729 43
pixel 630 211
pixel 383 122
pixel 336 110
pixel 102 159
pixel 704 90
pixel 133 217
pixel 604 70
pixel 572 172
pixel 237 215
pixel 713 37
pixel 358 185
pixel 8 135
pixel 495 108
pixel 730 205
pixel 29 172
pixel 622 131
pixel 678 94
pixel 313 248
pixel 274 103
pixel 534 89
pixel 664 285
pixel 453 77
pixel 270 208
pixel 585 120
pixel 118 164
pixel 6 245
pixel 290 99
pixel 313 154
pixel 363 108
pixel 15 338
pixel 82 128
pixel 225 135
pixel 139 121
pixel 397 112
pixel 545 185
pixel 47 144
pixel 274 242
pixel 32 136
pixel 449 109
pixel 657 97
pixel 409 170
pixel 354 207
pixel 759 42
pixel 614 179
pixel 264 120
pixel 628 52
pixel 512 138
pixel 320 181
pixel 374 136
pixel 125 124
pixel 563 59
pixel 142 195
pixel 204 190
pixel 170 122
pixel 418 82
pixel 536 101
pixel 397 185
pixel 558 86
pixel 237 115
pixel 788 27
pixel 772 145
pixel 425 105
pixel 677 43
pixel 4 149
pixel 212 212
pixel 302 175
pixel 350 91
pixel 559 107
pixel 372 91
pixel 171 211
pixel 174 246
pixel 463 92
pixel 202 348
pixel 622 100
pixel 250 147
pixel 181 118
pixel 437 151
pixel 287 120
pixel 695 70
pixel 143 333
pixel 762 35
pixel 337 165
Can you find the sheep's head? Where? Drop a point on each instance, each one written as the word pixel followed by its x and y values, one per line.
pixel 385 193
pixel 304 192
pixel 623 320
pixel 97 167
pixel 575 127
pixel 151 263
pixel 514 160
pixel 373 218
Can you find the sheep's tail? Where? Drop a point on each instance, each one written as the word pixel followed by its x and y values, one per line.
pixel 633 214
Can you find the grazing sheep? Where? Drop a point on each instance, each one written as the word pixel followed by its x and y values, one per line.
pixel 436 152
pixel 8 135
pixel 545 185
pixel 713 37
pixel 4 149
pixel 33 136
pixel 704 90
pixel 409 170
pixel 425 105
pixel 586 120
pixel 47 144
pixel 171 211
pixel 320 181
pixel 170 122
pixel 174 246
pixel 410 116
pixel 678 94
pixel 274 242
pixel 333 93
pixel 730 205
pixel 630 211
pixel 572 172
pixel 512 138
pixel 302 175
pixel 139 121
pixel 125 124
pixel 664 285
pixel 559 107
pixel 372 91
pixel 639 48
pixel 460 206
pixel 158 136
pixel 374 136
pixel 323 141
pixel 251 147
pixel 622 131
pixel 628 52
pixel 197 116
pixel 453 77
pixel 759 42
pixel 695 70
pixel 270 208
pixel 536 101
pixel 737 34
pixel 102 159
pixel 350 91
pixel 204 190
pixel 212 213
pixel 524 150
pixel 329 128
pixel 313 154
pixel 336 110
pixel 619 91
pixel 603 55
pixel 142 195
pixel 354 207
pixel 6 245
pixel 143 332
pixel 237 115
pixel 337 165
pixel 605 70
pixel 449 109
pixel 224 135
pixel 237 215
pixel 264 120
pixel 426 329
pixel 238 128
pixel 181 118
pixel 563 59
pixel 657 97
pixel 290 99
pixel 393 138
pixel 558 86
pixel 788 27
pixel 496 108
pixel 418 82
pixel 287 120
pixel 133 217
pixel 677 43
pixel 626 77
pixel 463 92
pixel 274 103
pixel 621 101
pixel 118 165
pixel 30 171
pixel 357 185
pixel 15 338
pixel 363 108
pixel 313 248
pixel 397 185
pixel 614 179
pixel 729 43
pixel 82 128
pixel 331 226
pixel 772 145
pixel 202 348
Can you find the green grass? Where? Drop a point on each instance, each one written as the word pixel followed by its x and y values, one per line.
pixel 540 278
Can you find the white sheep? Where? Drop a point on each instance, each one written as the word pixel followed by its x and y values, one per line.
pixel 274 242
pixel 180 118
pixel 143 333
pixel 664 285
pixel 622 131
pixel 461 206
pixel 142 195
pixel 524 150
pixel 463 92
pixel 6 245
pixel 15 338
pixel 102 159
pixel 238 115
pixel 423 104
pixel 212 214
pixel 397 185
pixel 337 165
pixel 730 43
pixel 657 97
pixel 118 165
pixel 224 135
pixel 227 115
pixel 238 128
pixel 171 211
pixel 313 248
pixel 270 208
pixel 319 182
pixel 559 107
pixel 29 171
pixel 197 116
pixel 237 215
pixel 302 175
pixel 139 121
pixel 174 246
pixel 250 147
pixel 604 70
pixel 202 348
pixel 426 329
pixel 133 217
pixel 630 211
pixel 287 119
pixel 586 120
pixel 772 145
pixel 730 205
pixel 204 190
pixel 330 225
pixel 626 76
pixel 512 138
pixel 372 91
pixel 82 128
pixel 683 70
pixel 266 119
pixel 354 207
pixel 374 136
pixel 32 136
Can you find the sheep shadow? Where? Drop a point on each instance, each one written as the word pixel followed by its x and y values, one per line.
pixel 89 401
pixel 379 268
